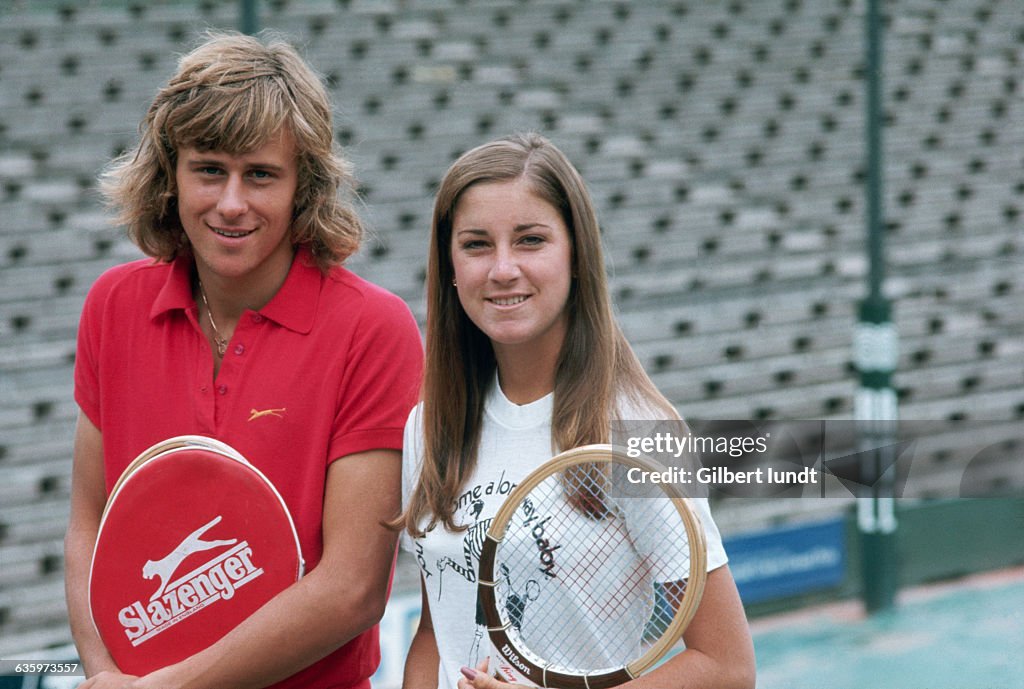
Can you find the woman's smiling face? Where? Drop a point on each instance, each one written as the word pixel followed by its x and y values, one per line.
pixel 512 256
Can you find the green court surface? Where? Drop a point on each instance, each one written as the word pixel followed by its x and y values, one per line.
pixel 966 634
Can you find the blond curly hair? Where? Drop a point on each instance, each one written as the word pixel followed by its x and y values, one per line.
pixel 232 94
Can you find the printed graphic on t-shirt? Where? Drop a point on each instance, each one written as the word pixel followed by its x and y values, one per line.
pixel 468 510
pixel 472 545
pixel 515 600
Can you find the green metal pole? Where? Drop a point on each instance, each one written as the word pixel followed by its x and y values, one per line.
pixel 249 17
pixel 875 353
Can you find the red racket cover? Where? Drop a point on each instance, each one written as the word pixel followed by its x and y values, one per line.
pixel 194 539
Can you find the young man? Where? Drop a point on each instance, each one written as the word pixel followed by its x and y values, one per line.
pixel 233 189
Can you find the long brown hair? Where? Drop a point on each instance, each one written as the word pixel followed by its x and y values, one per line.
pixel 232 94
pixel 596 369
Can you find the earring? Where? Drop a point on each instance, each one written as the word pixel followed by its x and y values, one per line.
pixel 454 284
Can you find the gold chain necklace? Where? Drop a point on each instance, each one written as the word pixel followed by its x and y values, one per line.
pixel 222 344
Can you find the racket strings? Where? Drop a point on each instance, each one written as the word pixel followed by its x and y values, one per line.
pixel 579 572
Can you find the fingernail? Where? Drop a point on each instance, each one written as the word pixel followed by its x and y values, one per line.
pixel 468 672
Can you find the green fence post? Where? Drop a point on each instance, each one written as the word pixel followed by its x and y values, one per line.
pixel 875 354
pixel 249 17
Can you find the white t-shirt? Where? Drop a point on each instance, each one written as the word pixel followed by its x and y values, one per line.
pixel 514 440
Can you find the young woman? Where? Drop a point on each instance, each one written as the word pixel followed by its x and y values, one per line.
pixel 524 359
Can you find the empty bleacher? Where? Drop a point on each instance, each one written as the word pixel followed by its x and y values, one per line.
pixel 722 141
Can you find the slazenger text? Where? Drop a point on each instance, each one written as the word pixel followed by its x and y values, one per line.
pixel 216 580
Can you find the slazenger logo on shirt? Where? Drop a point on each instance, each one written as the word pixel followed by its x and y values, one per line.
pixel 260 413
pixel 176 599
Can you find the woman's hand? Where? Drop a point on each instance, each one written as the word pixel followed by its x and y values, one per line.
pixel 479 678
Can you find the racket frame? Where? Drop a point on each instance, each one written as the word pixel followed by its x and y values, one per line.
pixel 177 443
pixel 486 579
pixel 169 447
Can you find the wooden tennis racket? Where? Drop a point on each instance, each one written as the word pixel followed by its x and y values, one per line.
pixel 589 576
pixel 193 540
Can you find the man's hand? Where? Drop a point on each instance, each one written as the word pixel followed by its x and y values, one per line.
pixel 109 680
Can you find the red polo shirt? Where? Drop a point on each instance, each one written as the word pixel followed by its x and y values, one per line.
pixel 329 367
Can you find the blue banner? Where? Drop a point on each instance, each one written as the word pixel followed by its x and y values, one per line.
pixel 788 561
